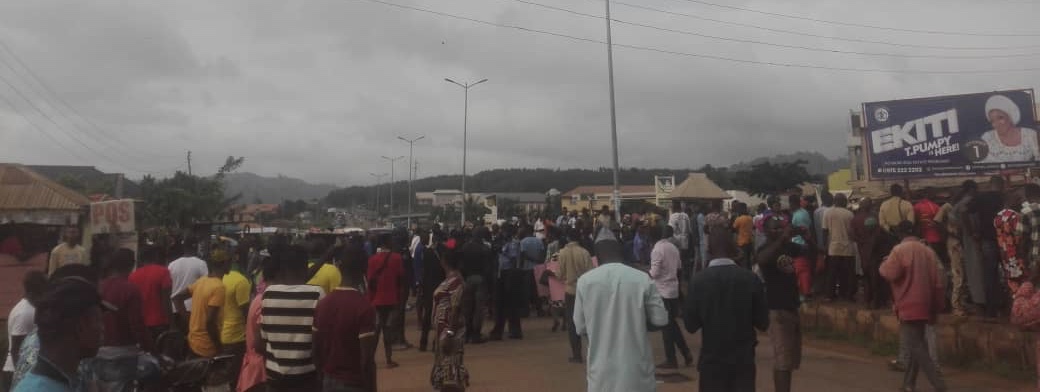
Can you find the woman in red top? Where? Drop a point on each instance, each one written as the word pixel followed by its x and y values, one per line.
pixel 385 276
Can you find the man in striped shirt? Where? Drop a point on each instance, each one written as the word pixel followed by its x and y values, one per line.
pixel 286 325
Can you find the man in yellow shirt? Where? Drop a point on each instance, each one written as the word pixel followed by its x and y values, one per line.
pixel 327 277
pixel 69 251
pixel 895 210
pixel 207 302
pixel 236 305
pixel 742 225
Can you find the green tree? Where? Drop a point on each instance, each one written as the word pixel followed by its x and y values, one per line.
pixel 768 178
pixel 507 208
pixel 179 201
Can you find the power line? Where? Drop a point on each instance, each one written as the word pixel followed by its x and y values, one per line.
pixel 40 130
pixel 830 37
pixel 756 42
pixel 867 26
pixel 699 55
pixel 126 148
pixel 62 129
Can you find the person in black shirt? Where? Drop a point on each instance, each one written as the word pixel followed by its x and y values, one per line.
pixel 983 209
pixel 775 261
pixel 432 276
pixel 727 302
pixel 478 265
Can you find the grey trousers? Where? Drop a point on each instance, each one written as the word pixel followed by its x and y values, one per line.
pixel 912 334
pixel 933 350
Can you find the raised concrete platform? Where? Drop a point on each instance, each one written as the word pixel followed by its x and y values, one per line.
pixel 961 342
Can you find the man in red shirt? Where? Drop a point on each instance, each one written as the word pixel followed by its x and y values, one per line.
pixel 125 333
pixel 912 269
pixel 153 281
pixel 385 277
pixel 345 339
pixel 925 211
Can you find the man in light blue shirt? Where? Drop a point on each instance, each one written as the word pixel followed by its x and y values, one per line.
pixel 532 251
pixel 615 306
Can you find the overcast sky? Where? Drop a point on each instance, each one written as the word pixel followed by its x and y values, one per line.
pixel 319 90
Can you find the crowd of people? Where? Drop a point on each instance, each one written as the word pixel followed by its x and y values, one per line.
pixel 308 313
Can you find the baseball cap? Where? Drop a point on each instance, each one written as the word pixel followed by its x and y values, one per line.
pixel 65 299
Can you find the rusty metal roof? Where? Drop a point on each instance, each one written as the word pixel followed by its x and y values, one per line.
pixel 24 189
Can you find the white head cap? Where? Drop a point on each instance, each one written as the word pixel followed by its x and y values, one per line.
pixel 1004 104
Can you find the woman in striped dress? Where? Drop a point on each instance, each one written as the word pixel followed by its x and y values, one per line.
pixel 448 373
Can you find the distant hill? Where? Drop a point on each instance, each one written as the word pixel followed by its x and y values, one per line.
pixel 541 180
pixel 273 189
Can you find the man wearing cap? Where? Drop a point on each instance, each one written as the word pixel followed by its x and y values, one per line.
pixel 70 328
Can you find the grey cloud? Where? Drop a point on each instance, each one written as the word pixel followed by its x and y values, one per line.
pixel 320 89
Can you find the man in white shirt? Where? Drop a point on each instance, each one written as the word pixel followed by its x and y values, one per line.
pixel 186 270
pixel 664 270
pixel 841 256
pixel 615 306
pixel 681 227
pixel 21 321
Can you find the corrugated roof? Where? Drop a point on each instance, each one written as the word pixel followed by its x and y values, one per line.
pixel 609 189
pixel 698 186
pixel 24 189
pixel 90 176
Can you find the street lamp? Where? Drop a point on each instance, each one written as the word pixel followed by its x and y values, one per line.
pixel 411 146
pixel 465 120
pixel 392 161
pixel 379 180
pixel 613 116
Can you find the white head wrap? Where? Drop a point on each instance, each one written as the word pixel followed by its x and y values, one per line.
pixel 1004 104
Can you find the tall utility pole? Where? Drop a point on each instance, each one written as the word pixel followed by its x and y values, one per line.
pixel 392 162
pixel 465 121
pixel 613 117
pixel 379 180
pixel 189 162
pixel 411 152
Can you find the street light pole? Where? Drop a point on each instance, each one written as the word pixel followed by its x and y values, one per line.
pixel 411 146
pixel 379 180
pixel 392 161
pixel 613 117
pixel 465 121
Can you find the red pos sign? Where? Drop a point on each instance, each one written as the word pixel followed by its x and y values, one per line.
pixel 116 216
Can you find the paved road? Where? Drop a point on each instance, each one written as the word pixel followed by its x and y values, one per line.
pixel 539 363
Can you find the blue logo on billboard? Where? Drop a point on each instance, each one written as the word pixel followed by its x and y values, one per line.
pixel 881 114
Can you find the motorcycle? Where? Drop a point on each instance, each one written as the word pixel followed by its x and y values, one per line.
pixel 170 369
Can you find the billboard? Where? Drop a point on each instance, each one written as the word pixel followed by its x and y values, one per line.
pixel 956 135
